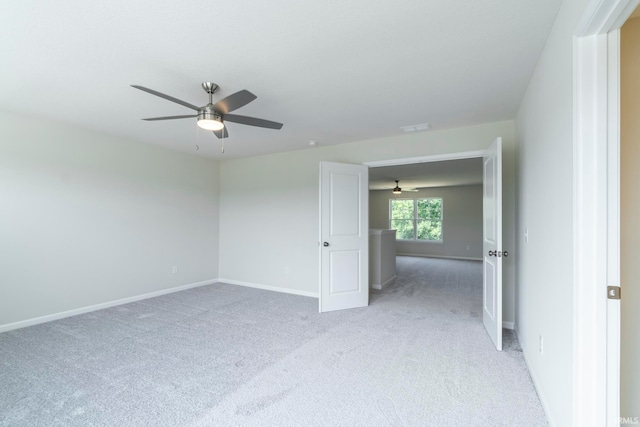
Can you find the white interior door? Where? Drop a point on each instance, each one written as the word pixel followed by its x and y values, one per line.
pixel 492 243
pixel 344 236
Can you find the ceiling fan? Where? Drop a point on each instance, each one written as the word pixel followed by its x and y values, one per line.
pixel 398 190
pixel 212 116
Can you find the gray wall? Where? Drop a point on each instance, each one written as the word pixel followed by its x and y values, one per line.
pixel 269 204
pixel 87 219
pixel 461 227
pixel 544 126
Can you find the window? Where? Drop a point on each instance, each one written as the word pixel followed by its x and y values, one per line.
pixel 416 219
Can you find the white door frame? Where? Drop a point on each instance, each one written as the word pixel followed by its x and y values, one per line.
pixel 427 159
pixel 596 212
pixel 435 158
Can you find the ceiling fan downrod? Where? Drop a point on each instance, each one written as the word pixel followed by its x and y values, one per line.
pixel 210 88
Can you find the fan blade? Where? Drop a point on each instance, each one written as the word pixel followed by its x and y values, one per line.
pixel 170 117
pixel 167 97
pixel 252 121
pixel 222 133
pixel 234 101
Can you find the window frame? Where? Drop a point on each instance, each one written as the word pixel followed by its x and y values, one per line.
pixel 416 219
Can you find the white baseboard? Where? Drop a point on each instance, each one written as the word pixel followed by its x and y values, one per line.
pixel 543 400
pixel 379 286
pixel 82 310
pixel 269 288
pixel 440 256
pixel 508 325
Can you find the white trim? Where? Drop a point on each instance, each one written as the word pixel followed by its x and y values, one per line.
pixel 536 384
pixel 426 159
pixel 589 248
pixel 95 307
pixel 379 286
pixel 602 16
pixel 440 256
pixel 320 239
pixel 508 325
pixel 595 258
pixel 269 288
pixel 613 228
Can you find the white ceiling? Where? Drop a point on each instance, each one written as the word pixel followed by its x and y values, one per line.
pixel 433 174
pixel 333 71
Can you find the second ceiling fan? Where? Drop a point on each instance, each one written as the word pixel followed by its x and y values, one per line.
pixel 212 116
pixel 398 190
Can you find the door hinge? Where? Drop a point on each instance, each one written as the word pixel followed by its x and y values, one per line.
pixel 613 292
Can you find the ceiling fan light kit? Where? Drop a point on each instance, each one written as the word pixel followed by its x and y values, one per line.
pixel 209 119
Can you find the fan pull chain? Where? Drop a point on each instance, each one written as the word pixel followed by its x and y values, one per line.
pixel 197 139
pixel 222 140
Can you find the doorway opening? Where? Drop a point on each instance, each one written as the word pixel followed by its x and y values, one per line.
pixel 438 210
pixel 426 227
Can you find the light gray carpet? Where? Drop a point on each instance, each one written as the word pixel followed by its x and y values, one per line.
pixel 225 355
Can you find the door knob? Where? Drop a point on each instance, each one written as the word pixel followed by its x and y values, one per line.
pixel 325 244
pixel 498 253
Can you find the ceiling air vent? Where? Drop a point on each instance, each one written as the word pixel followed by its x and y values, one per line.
pixel 416 128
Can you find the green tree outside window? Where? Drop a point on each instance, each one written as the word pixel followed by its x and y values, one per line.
pixel 419 219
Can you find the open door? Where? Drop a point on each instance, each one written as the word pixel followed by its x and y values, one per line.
pixel 492 243
pixel 344 236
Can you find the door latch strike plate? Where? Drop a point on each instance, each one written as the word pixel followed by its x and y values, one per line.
pixel 613 292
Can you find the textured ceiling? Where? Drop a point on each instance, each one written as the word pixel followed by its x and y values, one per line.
pixel 332 71
pixel 433 174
